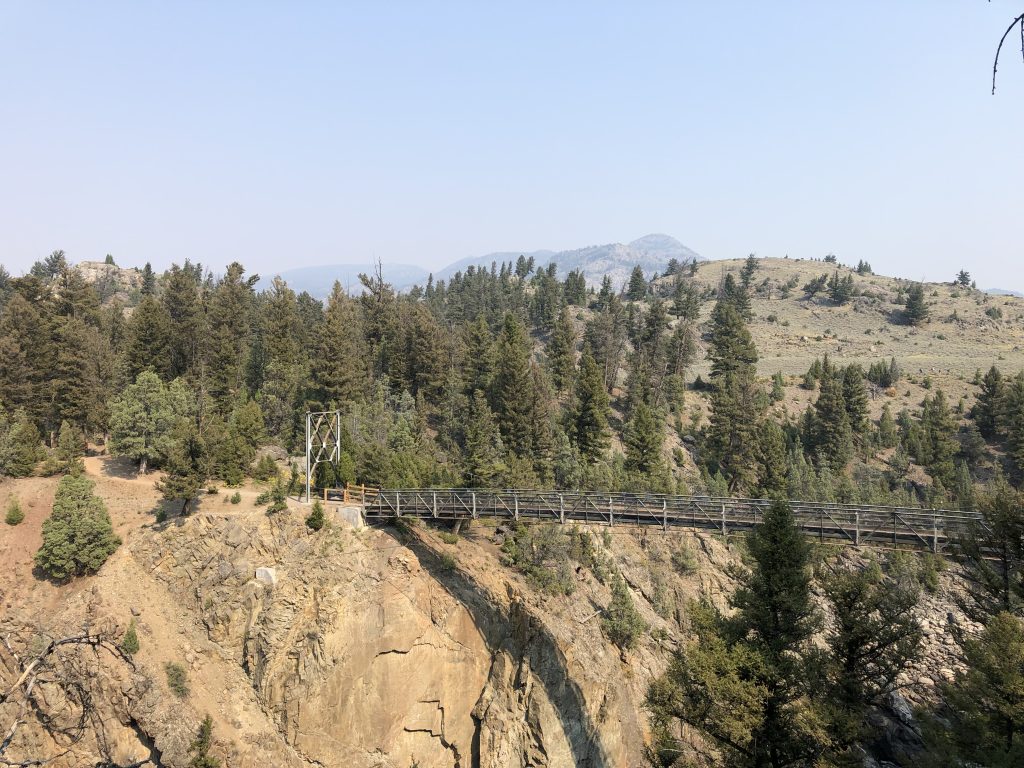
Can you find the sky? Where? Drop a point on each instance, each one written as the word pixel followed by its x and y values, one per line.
pixel 299 133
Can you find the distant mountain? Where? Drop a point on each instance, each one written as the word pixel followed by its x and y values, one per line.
pixel 1003 292
pixel 318 281
pixel 651 252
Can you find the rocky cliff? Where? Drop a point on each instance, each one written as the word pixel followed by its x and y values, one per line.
pixel 390 647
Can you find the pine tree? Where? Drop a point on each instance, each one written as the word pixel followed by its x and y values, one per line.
pixel 148 281
pixel 748 271
pixel 542 428
pixel 939 436
pixel 22 447
pixel 992 552
pixel 735 400
pixel 28 353
pixel 887 433
pixel 986 411
pixel 77 536
pixel 637 288
pixel 855 396
pixel 79 389
pixel 478 358
pixel 832 440
pixel 484 461
pixel 339 368
pixel 735 294
pixel 1012 420
pixel 562 352
pixel 186 329
pixel 147 341
pixel 588 418
pixel 70 449
pixel 186 466
pixel 227 344
pixel 745 682
pixel 773 467
pixel 143 416
pixel 985 700
pixel 315 520
pixel 643 440
pixel 575 288
pixel 840 289
pixel 604 296
pixel 875 637
pixel 280 328
pixel 512 390
pixel 686 301
pixel 915 308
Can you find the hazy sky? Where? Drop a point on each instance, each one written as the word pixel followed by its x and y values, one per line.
pixel 296 133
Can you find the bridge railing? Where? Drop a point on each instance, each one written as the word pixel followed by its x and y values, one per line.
pixel 855 523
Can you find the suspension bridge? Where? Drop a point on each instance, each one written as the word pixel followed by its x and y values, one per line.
pixel 856 524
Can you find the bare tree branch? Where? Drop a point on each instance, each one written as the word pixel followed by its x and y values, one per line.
pixel 76 701
pixel 1019 21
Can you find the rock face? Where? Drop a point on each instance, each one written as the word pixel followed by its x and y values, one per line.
pixel 369 653
pixel 385 647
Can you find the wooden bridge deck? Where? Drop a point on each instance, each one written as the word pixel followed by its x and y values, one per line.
pixel 854 524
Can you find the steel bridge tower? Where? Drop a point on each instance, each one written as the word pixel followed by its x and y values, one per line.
pixel 323 443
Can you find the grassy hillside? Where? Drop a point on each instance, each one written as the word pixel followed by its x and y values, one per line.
pixel 967 329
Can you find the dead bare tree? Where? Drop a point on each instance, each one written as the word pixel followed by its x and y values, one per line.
pixel 53 686
pixel 1017 22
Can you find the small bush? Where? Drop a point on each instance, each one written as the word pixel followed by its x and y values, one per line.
pixel 315 521
pixel 622 622
pixel 263 498
pixel 236 498
pixel 177 679
pixel 278 498
pixel 200 748
pixel 266 468
pixel 684 561
pixel 14 514
pixel 130 641
pixel 449 538
pixel 447 562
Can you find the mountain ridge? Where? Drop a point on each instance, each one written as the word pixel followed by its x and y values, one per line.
pixel 651 252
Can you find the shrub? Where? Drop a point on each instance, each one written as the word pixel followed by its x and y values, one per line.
pixel 200 748
pixel 266 468
pixel 130 641
pixel 447 562
pixel 278 498
pixel 622 622
pixel 177 679
pixel 449 538
pixel 14 514
pixel 77 536
pixel 684 561
pixel 315 521
pixel 236 498
pixel 263 498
